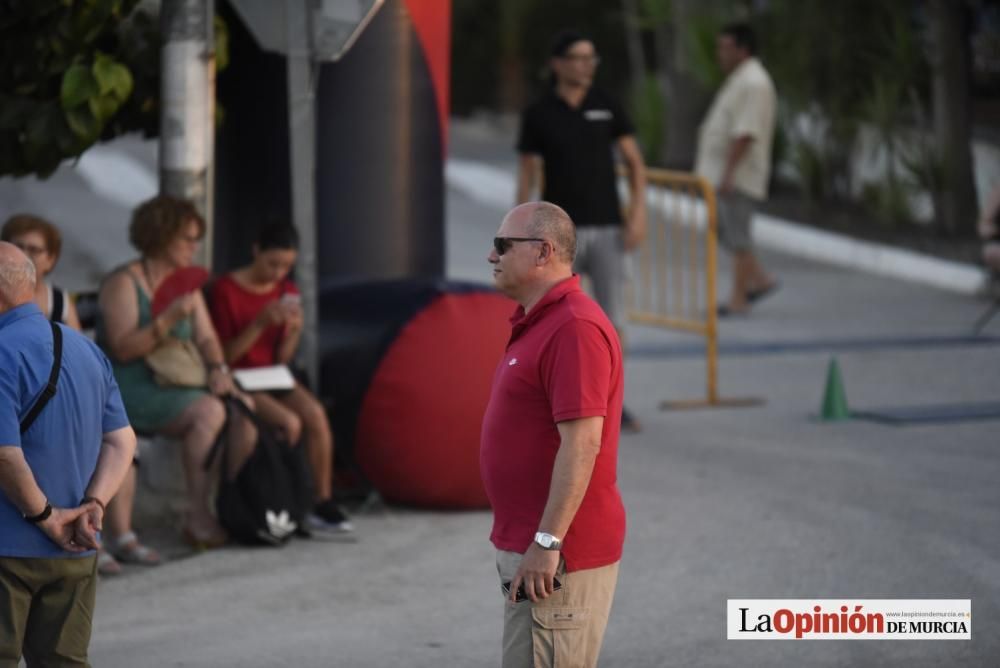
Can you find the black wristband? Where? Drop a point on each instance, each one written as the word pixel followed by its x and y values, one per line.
pixel 40 517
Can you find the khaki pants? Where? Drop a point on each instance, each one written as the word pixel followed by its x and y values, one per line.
pixel 46 609
pixel 564 630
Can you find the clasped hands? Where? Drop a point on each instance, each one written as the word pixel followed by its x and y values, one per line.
pixel 75 529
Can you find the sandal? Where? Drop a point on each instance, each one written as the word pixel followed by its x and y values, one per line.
pixel 107 564
pixel 127 549
pixel 200 543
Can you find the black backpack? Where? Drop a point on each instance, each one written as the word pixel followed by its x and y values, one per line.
pixel 267 502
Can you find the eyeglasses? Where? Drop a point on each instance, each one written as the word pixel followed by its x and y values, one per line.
pixel 503 244
pixel 584 58
pixel 31 251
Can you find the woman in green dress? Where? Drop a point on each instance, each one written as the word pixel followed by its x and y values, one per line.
pixel 166 231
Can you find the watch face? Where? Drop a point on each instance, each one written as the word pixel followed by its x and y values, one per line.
pixel 545 540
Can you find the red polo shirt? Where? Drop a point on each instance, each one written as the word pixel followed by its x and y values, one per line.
pixel 563 362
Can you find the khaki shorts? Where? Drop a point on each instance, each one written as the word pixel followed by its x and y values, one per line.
pixel 565 629
pixel 735 215
pixel 46 609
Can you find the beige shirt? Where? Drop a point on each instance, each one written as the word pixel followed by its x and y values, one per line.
pixel 744 106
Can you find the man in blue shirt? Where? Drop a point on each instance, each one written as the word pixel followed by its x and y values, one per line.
pixel 55 477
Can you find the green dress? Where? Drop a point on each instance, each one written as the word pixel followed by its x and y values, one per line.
pixel 150 406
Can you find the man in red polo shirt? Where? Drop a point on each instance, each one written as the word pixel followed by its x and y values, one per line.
pixel 550 448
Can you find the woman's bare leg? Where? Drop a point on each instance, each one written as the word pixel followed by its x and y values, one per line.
pixel 118 519
pixel 318 438
pixel 198 427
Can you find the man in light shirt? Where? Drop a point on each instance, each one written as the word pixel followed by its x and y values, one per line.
pixel 734 155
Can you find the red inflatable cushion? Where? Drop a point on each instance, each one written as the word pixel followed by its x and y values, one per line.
pixel 418 430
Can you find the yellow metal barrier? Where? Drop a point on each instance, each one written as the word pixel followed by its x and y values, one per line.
pixel 675 283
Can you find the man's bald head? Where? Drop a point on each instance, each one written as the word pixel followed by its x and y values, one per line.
pixel 548 221
pixel 17 277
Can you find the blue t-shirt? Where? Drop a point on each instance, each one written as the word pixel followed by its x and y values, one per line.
pixel 62 446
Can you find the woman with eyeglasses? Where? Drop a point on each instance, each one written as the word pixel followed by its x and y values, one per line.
pixel 41 241
pixel 166 231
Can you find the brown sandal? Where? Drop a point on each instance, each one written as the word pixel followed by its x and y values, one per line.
pixel 202 543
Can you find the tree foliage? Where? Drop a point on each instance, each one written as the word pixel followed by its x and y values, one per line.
pixel 75 72
pixel 65 79
pixel 846 64
pixel 493 41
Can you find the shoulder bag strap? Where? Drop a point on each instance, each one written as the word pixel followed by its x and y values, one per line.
pixel 50 388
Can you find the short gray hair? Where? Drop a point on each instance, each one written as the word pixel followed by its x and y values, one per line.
pixel 549 221
pixel 17 275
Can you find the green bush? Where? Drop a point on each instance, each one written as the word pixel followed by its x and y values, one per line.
pixel 810 163
pixel 889 202
pixel 650 114
pixel 76 72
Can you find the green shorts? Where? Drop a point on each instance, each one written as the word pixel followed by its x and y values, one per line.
pixel 46 610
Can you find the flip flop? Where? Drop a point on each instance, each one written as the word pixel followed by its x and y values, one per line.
pixel 757 295
pixel 724 311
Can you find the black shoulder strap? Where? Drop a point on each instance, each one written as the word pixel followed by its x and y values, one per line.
pixel 50 387
pixel 58 305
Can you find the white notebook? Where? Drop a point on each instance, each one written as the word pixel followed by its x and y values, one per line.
pixel 276 377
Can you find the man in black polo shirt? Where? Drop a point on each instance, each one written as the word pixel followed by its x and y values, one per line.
pixel 570 135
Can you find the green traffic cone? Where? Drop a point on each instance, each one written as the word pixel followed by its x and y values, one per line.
pixel 834 397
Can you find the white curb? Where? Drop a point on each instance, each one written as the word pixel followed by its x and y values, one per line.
pixel 494 186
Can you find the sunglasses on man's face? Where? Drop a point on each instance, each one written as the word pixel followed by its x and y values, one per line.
pixel 503 244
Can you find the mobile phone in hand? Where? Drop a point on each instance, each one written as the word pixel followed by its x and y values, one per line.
pixel 520 595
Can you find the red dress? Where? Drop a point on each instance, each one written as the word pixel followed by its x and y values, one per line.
pixel 234 308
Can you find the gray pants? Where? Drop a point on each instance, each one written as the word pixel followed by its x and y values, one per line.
pixel 600 254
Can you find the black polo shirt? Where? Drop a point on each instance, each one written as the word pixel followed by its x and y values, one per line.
pixel 576 147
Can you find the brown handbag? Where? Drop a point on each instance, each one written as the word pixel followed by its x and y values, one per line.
pixel 177 362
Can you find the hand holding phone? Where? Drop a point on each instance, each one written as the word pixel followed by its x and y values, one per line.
pixel 291 304
pixel 521 596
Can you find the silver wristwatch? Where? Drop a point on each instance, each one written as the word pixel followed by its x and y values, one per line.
pixel 547 541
